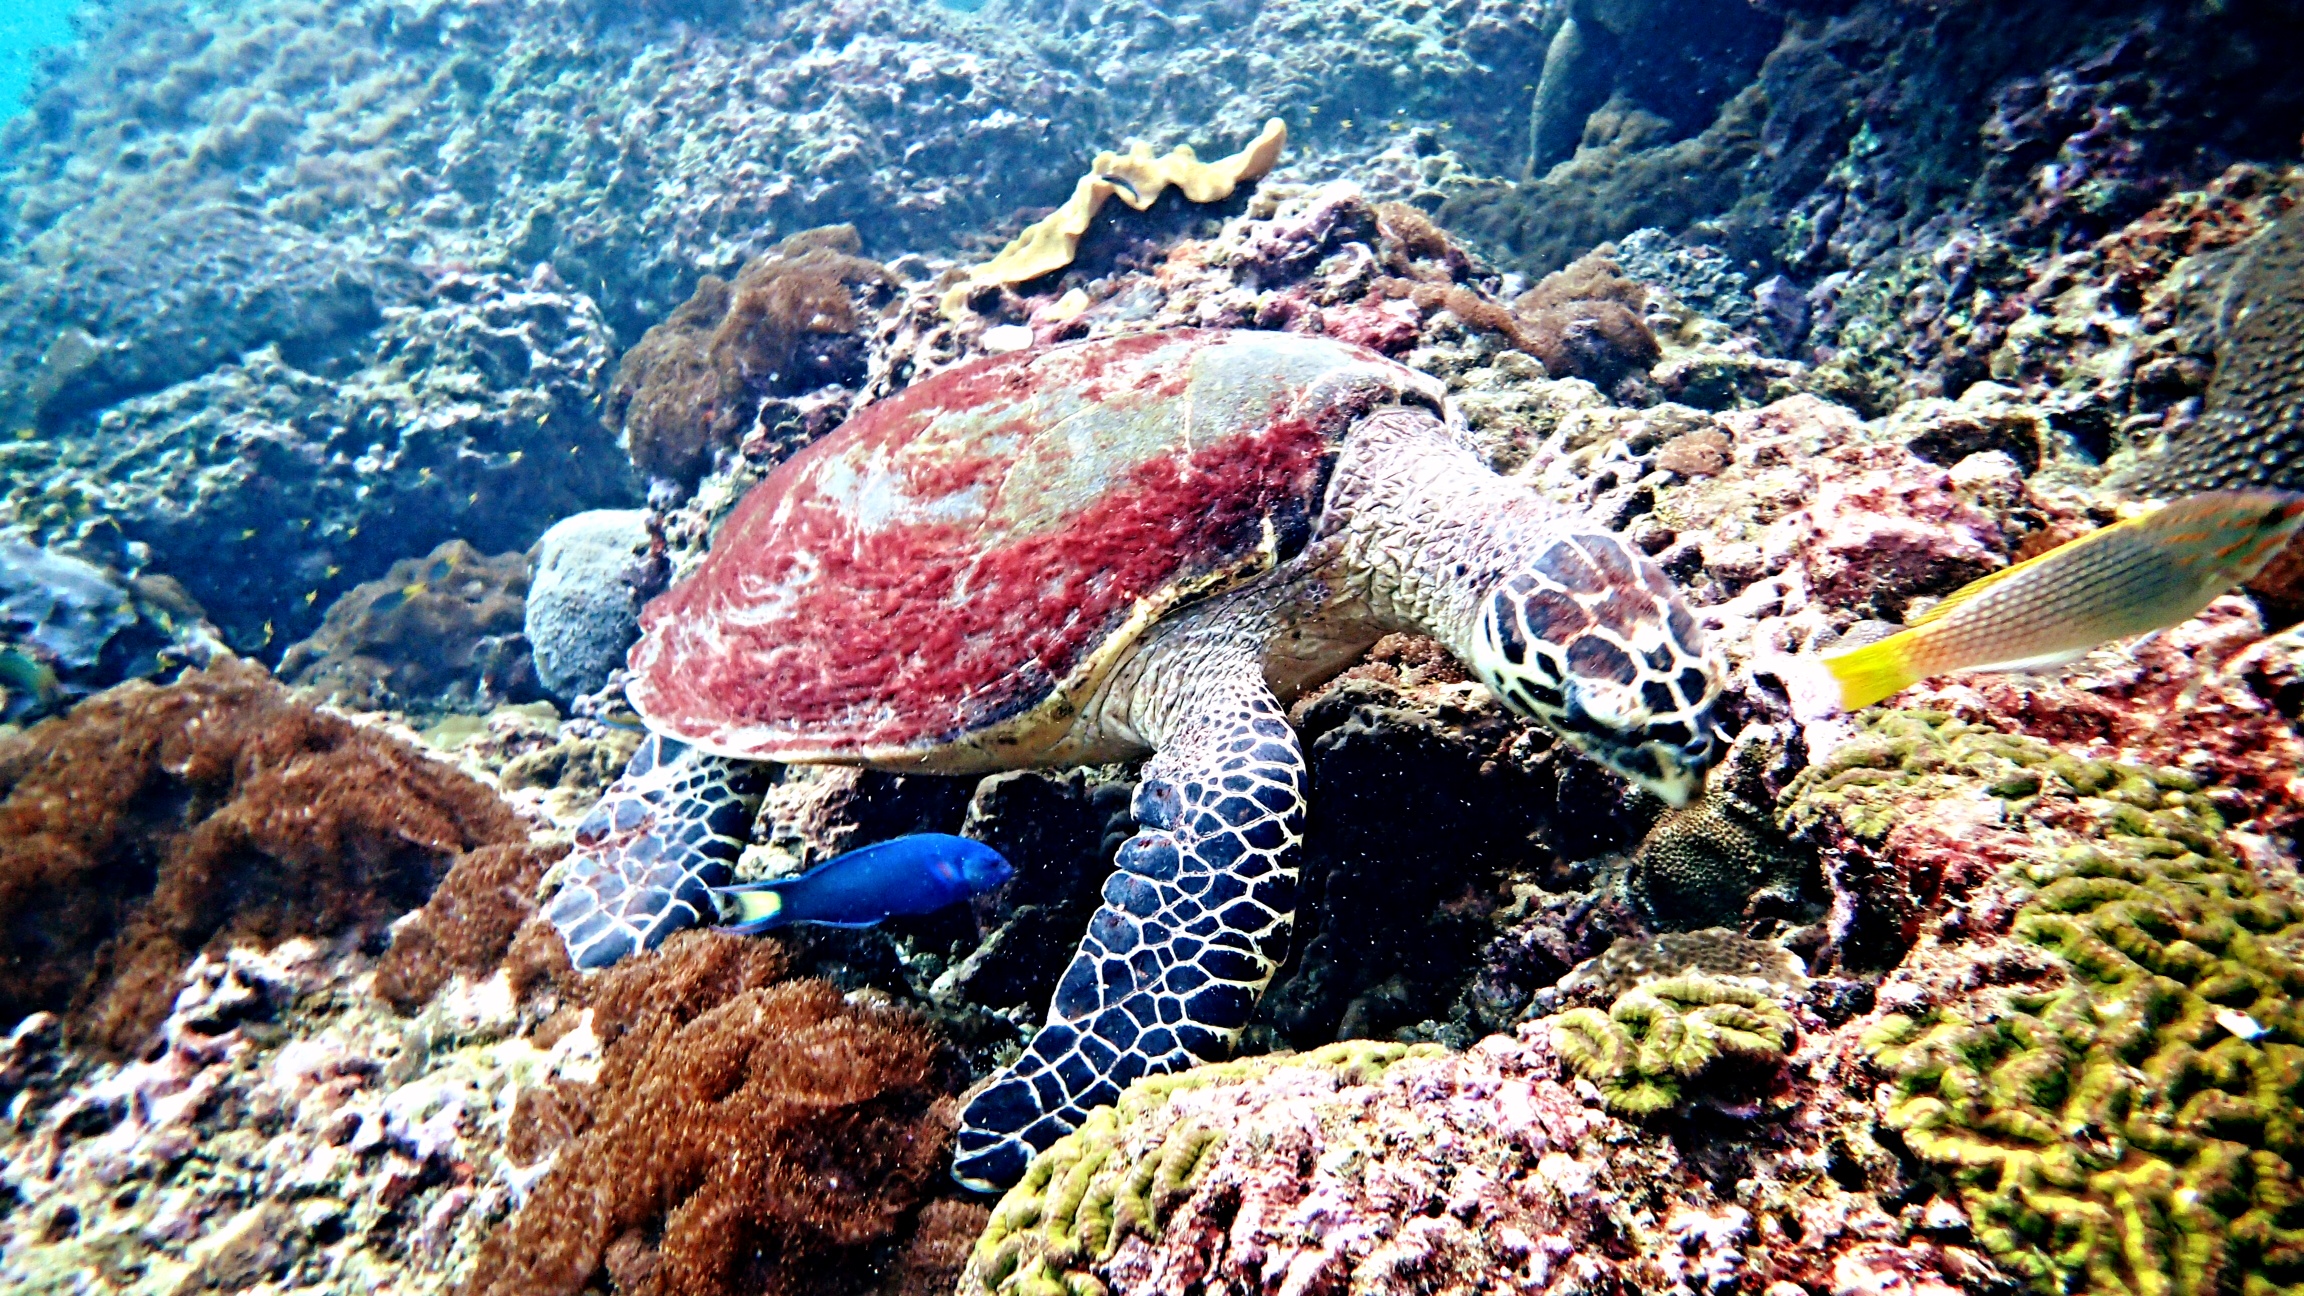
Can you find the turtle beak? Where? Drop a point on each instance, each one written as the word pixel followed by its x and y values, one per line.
pixel 1672 765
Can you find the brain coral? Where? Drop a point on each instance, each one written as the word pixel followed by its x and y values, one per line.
pixel 2128 1123
pixel 1661 1035
pixel 152 820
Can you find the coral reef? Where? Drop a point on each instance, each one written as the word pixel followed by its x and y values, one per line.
pixel 1660 1036
pixel 583 607
pixel 444 630
pixel 151 822
pixel 787 325
pixel 1138 178
pixel 288 292
pixel 2114 1118
pixel 745 1134
pixel 1390 923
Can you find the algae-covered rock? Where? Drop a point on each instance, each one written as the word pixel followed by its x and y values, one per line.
pixel 443 630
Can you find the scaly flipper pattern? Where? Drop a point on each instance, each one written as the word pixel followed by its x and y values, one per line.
pixel 1195 920
pixel 647 857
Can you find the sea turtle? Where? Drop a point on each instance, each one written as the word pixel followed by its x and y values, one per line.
pixel 1092 552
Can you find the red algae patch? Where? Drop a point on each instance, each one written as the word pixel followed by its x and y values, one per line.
pixel 152 822
pixel 747 1134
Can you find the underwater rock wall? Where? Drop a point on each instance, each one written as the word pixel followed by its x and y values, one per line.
pixel 1989 989
pixel 241 238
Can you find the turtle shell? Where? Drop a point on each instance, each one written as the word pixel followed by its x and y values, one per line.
pixel 938 582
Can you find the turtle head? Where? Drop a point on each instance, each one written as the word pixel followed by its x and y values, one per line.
pixel 1590 638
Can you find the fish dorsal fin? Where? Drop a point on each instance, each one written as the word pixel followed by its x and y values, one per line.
pixel 1976 589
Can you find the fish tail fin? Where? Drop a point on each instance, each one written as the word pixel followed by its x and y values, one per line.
pixel 759 907
pixel 1872 672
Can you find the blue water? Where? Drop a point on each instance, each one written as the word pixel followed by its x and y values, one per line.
pixel 27 28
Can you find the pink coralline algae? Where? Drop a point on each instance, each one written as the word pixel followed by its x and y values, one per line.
pixel 1375 1168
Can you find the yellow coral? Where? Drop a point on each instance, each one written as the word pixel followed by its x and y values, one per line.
pixel 1139 178
pixel 1085 1194
pixel 2135 1129
pixel 1660 1033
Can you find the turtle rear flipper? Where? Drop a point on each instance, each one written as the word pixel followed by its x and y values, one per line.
pixel 647 857
pixel 1195 920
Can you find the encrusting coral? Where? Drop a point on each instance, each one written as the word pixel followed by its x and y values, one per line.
pixel 789 324
pixel 2132 1129
pixel 746 1134
pixel 1139 178
pixel 150 821
pixel 1660 1036
pixel 1081 1197
pixel 444 629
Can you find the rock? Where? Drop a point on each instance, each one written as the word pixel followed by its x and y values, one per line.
pixel 89 628
pixel 442 632
pixel 270 490
pixel 583 610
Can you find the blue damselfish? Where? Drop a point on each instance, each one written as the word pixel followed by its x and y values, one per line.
pixel 906 875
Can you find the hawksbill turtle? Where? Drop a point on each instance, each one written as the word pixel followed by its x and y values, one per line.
pixel 1133 546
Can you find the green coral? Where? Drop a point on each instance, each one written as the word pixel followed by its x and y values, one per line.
pixel 1660 1035
pixel 1898 757
pixel 1087 1192
pixel 2136 1128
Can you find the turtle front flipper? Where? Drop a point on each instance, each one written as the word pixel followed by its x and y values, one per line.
pixel 647 857
pixel 1195 920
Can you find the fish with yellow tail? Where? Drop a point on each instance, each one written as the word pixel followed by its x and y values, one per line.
pixel 2146 573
